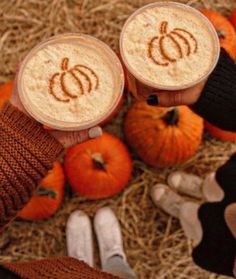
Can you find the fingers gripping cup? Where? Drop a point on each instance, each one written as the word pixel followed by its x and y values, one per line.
pixel 167 46
pixel 71 82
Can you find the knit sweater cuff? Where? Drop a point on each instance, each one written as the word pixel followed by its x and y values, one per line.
pixel 31 130
pixel 217 103
pixel 56 268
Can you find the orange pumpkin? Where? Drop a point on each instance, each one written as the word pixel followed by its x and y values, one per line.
pixel 98 168
pixel 6 91
pixel 48 198
pixel 163 137
pixel 169 47
pixel 219 133
pixel 233 18
pixel 83 77
pixel 225 31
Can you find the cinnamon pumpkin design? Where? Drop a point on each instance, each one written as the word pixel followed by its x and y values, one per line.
pixel 86 84
pixel 170 47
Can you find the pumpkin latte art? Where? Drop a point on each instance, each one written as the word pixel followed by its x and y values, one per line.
pixel 76 80
pixel 168 45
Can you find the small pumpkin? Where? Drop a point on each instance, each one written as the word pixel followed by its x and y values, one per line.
pixel 98 168
pixel 219 133
pixel 48 198
pixel 6 91
pixel 233 18
pixel 163 137
pixel 169 47
pixel 225 31
pixel 83 77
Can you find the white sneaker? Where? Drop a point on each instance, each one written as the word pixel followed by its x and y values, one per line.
pixel 166 199
pixel 211 190
pixel 187 184
pixel 79 237
pixel 108 233
pixel 189 221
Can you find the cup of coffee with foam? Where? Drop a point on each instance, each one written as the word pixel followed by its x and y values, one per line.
pixel 167 46
pixel 71 82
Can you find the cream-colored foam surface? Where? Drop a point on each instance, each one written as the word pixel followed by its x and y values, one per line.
pixel 49 82
pixel 155 38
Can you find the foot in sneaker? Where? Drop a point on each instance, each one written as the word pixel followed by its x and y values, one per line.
pixel 167 199
pixel 189 221
pixel 79 237
pixel 109 236
pixel 211 189
pixel 187 184
pixel 173 204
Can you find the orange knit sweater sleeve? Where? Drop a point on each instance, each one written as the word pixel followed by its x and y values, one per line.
pixel 27 152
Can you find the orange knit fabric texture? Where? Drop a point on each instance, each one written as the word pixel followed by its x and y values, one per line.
pixel 57 268
pixel 27 153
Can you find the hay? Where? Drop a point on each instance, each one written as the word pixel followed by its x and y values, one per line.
pixel 154 242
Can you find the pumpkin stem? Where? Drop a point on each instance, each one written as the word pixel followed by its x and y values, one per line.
pixel 46 192
pixel 172 116
pixel 64 64
pixel 164 26
pixel 99 161
pixel 221 34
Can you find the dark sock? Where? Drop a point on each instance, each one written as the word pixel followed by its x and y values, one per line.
pixel 216 252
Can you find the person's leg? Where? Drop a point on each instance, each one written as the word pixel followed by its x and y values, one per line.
pixel 116 265
pixel 230 218
pixel 189 221
pixel 194 186
pixel 216 252
pixel 187 184
pixel 212 192
pixel 166 199
pixel 109 237
pixel 79 237
pixel 187 212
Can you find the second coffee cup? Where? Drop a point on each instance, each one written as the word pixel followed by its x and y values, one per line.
pixel 167 46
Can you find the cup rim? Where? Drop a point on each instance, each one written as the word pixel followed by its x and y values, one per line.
pixel 69 125
pixel 169 87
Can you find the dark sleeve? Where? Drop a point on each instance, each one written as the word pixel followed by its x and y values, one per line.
pixel 217 103
pixel 216 251
pixel 27 152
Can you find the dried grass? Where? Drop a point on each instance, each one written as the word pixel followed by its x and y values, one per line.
pixel 154 242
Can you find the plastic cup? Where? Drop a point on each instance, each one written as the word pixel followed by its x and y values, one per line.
pixel 140 87
pixel 100 48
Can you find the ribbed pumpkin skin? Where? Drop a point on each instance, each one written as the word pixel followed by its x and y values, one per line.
pixel 219 133
pixel 94 182
pixel 233 18
pixel 42 207
pixel 225 30
pixel 157 143
pixel 6 91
